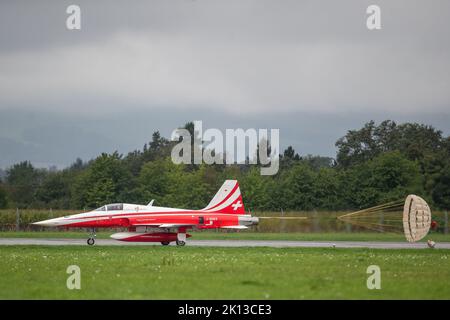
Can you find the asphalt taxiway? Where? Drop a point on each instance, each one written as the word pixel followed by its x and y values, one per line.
pixel 230 243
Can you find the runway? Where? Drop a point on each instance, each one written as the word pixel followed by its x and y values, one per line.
pixel 229 243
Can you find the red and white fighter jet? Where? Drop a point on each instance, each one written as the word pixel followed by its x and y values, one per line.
pixel 159 224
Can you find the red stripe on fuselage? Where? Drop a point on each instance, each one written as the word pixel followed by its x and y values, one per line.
pixel 211 220
pixel 138 213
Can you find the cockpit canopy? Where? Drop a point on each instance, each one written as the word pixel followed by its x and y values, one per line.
pixel 111 207
pixel 122 207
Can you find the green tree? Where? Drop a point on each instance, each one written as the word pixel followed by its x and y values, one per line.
pixel 357 146
pixel 187 188
pixel 256 196
pixel 54 191
pixel 298 188
pixel 23 180
pixel 328 189
pixel 388 177
pixel 413 140
pixel 174 185
pixel 318 162
pixel 416 142
pixel 104 181
pixel 441 190
pixel 158 142
pixel 3 198
pixel 134 161
pixel 101 192
pixel 159 147
pixel 154 180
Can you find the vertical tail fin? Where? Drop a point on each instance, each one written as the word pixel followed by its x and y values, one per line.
pixel 227 200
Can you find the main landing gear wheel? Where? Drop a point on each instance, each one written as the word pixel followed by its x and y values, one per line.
pixel 181 243
pixel 165 243
pixel 90 241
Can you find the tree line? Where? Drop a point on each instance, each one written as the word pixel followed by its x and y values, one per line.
pixel 374 164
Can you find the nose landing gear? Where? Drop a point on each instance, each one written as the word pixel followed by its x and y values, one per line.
pixel 91 239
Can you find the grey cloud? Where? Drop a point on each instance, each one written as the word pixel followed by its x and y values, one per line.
pixel 252 56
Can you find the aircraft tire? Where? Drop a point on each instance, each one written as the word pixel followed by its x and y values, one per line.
pixel 91 241
pixel 165 243
pixel 180 243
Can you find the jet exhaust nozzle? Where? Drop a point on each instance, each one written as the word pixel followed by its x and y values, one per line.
pixel 248 221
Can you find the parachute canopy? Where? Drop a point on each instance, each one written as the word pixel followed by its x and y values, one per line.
pixel 411 217
pixel 416 218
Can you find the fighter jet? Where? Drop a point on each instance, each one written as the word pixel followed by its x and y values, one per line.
pixel 149 223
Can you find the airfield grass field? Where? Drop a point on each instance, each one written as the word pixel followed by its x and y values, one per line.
pixel 157 272
pixel 39 272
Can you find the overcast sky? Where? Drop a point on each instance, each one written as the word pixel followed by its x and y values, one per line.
pixel 310 68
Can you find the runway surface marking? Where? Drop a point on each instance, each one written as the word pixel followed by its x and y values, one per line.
pixel 231 243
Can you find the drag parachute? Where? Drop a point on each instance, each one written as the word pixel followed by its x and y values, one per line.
pixel 416 218
pixel 411 217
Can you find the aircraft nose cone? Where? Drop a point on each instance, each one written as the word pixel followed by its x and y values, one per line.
pixel 40 223
pixel 48 223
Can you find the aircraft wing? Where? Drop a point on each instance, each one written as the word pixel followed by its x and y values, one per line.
pixel 175 225
pixel 163 225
